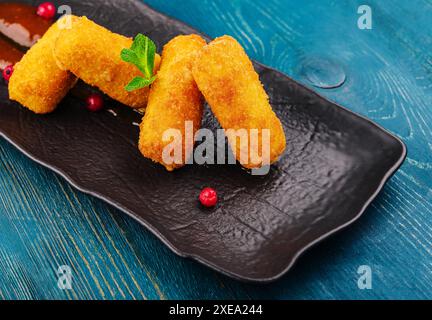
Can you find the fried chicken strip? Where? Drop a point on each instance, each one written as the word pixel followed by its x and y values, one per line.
pixel 174 99
pixel 92 53
pixel 37 81
pixel 227 79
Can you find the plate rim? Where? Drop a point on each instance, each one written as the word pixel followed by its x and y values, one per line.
pixel 182 253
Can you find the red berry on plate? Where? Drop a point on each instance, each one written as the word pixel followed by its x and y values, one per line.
pixel 94 102
pixel 7 72
pixel 46 10
pixel 208 197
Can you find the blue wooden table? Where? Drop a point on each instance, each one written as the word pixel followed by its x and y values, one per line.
pixel 45 224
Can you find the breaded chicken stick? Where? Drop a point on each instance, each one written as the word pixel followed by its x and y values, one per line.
pixel 37 81
pixel 92 53
pixel 227 79
pixel 174 99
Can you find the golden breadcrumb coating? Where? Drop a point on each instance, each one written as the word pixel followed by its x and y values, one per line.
pixel 92 53
pixel 37 81
pixel 174 99
pixel 227 79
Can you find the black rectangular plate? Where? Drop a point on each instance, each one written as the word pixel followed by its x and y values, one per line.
pixel 335 164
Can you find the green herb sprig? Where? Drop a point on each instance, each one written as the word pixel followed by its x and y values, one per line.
pixel 142 55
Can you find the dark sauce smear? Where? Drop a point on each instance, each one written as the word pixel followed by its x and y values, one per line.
pixel 20 28
pixel 20 23
pixel 9 54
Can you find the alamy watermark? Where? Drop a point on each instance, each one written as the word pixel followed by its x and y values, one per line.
pixel 64 278
pixel 65 22
pixel 364 282
pixel 364 22
pixel 253 146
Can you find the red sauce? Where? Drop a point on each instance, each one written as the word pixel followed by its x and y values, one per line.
pixel 9 54
pixel 20 23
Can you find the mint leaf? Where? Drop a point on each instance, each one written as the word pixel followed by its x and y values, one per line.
pixel 142 55
pixel 138 83
pixel 130 56
pixel 145 49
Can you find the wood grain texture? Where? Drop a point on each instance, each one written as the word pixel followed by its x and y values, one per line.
pixel 44 223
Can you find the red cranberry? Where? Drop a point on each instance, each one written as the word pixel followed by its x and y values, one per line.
pixel 7 72
pixel 94 102
pixel 208 197
pixel 46 10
